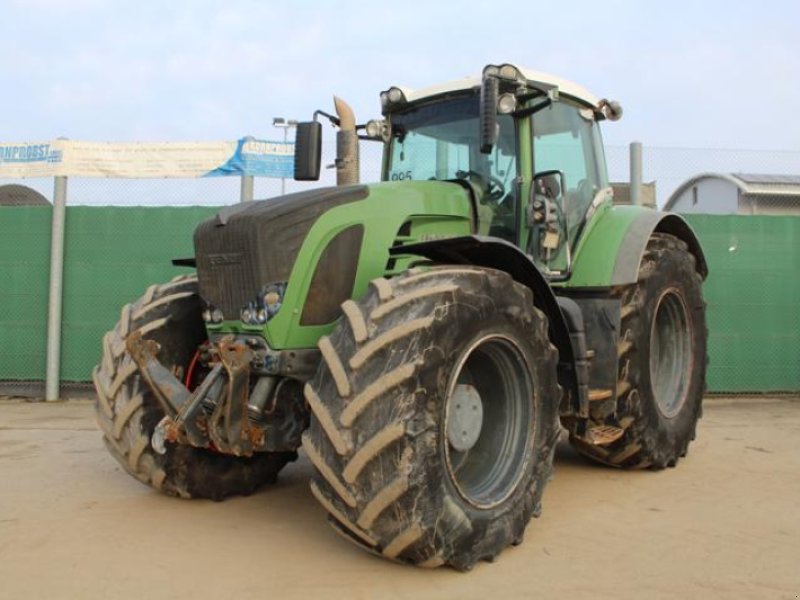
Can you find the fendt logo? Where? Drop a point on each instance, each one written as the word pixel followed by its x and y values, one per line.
pixel 224 258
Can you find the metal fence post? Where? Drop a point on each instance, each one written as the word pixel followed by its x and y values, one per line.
pixel 636 173
pixel 53 375
pixel 246 194
pixel 246 191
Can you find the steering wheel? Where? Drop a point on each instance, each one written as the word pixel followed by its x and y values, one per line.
pixel 495 189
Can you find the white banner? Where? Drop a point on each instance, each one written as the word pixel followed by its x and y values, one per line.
pixel 247 156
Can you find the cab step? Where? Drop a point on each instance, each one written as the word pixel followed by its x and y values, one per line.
pixel 602 435
pixel 599 395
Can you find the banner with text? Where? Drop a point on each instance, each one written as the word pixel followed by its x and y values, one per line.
pixel 247 156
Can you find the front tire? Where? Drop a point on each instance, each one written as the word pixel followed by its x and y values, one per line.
pixel 127 411
pixel 405 467
pixel 662 363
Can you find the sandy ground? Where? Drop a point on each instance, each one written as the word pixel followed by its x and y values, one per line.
pixel 724 524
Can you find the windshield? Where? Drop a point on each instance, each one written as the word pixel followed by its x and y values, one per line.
pixel 440 141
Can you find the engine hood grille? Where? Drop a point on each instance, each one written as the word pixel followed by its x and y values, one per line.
pixel 247 246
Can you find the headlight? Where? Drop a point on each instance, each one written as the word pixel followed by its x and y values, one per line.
pixel 506 104
pixel 265 306
pixel 271 298
pixel 394 95
pixel 504 71
pixel 510 72
pixel 375 128
pixel 248 315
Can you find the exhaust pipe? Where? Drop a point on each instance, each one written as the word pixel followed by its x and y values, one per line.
pixel 346 144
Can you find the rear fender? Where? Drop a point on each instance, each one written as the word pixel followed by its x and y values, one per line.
pixel 612 248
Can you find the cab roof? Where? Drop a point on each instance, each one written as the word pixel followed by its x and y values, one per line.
pixel 565 87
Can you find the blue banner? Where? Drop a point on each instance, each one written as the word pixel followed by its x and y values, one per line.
pixel 261 158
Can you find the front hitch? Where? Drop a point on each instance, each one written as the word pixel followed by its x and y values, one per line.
pixel 228 429
pixel 229 426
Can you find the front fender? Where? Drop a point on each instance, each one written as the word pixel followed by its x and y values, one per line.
pixel 612 248
pixel 496 253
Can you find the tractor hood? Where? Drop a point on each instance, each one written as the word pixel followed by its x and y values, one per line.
pixel 247 246
pixel 316 249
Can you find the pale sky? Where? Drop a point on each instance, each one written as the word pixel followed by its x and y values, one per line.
pixel 720 75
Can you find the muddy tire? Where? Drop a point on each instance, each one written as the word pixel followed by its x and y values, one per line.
pixel 127 411
pixel 403 466
pixel 662 363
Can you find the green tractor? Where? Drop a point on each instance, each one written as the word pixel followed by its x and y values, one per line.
pixel 425 339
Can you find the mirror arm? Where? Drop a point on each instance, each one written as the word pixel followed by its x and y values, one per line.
pixel 532 110
pixel 334 120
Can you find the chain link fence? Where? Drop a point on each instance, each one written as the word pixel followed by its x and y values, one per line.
pixel 112 255
pixel 668 168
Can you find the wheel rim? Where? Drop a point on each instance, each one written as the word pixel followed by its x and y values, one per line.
pixel 670 353
pixel 487 453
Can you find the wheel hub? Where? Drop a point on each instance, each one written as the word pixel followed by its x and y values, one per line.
pixel 670 353
pixel 488 420
pixel 464 417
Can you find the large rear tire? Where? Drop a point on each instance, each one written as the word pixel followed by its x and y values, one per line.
pixel 128 412
pixel 662 363
pixel 435 416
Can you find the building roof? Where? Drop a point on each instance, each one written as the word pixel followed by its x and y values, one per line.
pixel 750 184
pixel 20 195
pixel 751 178
pixel 564 86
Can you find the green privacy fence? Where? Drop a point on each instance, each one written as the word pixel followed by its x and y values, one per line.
pixel 753 297
pixel 113 253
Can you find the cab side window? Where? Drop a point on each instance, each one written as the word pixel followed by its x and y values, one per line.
pixel 564 140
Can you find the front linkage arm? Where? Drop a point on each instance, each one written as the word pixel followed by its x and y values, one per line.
pixel 228 429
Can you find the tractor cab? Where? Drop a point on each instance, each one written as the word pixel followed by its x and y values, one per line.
pixel 526 144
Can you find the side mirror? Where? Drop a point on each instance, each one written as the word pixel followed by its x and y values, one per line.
pixel 308 151
pixel 545 193
pixel 611 109
pixel 549 184
pixel 490 87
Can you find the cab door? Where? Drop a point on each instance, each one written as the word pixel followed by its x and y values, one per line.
pixel 568 174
